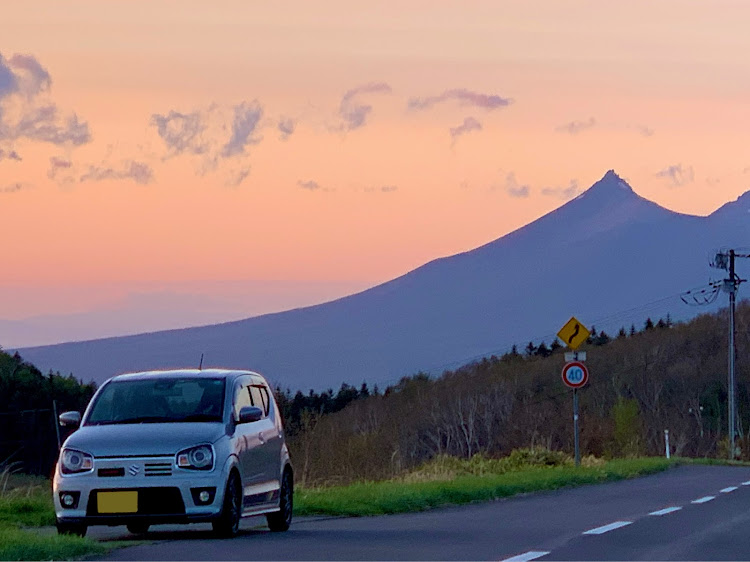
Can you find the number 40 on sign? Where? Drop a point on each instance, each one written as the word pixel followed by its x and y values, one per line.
pixel 575 374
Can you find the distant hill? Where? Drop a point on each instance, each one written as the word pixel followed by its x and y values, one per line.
pixel 609 257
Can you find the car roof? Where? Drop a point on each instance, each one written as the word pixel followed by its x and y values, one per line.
pixel 187 373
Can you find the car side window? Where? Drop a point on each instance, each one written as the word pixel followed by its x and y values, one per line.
pixel 266 399
pixel 241 399
pixel 259 399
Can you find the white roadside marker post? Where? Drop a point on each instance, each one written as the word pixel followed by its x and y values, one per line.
pixel 666 441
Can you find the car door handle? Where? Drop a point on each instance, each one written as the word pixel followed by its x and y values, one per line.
pixel 261 438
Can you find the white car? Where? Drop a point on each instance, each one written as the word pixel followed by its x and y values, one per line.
pixel 178 446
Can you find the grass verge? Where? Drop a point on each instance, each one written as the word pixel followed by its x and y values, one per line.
pixel 25 504
pixel 20 544
pixel 378 498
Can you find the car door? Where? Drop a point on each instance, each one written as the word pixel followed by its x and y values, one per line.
pixel 247 443
pixel 268 435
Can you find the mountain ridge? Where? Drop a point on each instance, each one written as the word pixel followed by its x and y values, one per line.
pixel 600 253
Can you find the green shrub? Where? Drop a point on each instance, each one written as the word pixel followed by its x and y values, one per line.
pixel 446 467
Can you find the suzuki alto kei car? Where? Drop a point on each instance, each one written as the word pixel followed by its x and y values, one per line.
pixel 178 446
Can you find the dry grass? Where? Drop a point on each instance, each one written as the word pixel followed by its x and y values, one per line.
pixel 446 467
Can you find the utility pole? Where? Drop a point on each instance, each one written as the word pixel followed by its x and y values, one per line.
pixel 725 260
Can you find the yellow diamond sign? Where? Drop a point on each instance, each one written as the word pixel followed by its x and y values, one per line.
pixel 573 334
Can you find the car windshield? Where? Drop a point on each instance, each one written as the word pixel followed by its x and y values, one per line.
pixel 159 400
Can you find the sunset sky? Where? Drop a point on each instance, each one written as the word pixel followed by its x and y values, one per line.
pixel 187 162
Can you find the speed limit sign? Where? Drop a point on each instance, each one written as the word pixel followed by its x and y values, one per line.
pixel 575 374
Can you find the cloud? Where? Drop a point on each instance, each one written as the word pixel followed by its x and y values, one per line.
pixel 286 127
pixel 57 165
pixel 14 187
pixel 382 189
pixel 8 79
pixel 43 124
pixel 469 124
pixel 644 130
pixel 139 172
pixel 33 78
pixel 677 174
pixel 575 127
pixel 514 188
pixel 464 97
pixel 562 192
pixel 9 155
pixel 23 81
pixel 310 185
pixel 353 112
pixel 182 132
pixel 238 177
pixel 246 119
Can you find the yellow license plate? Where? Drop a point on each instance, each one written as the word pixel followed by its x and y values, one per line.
pixel 118 502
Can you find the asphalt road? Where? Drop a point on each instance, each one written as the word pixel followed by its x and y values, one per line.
pixel 687 513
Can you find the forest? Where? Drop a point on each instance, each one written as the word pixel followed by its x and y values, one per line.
pixel 642 381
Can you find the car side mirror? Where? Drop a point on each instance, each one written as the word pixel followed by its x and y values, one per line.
pixel 250 414
pixel 70 418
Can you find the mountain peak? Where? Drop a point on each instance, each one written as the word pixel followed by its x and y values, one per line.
pixel 609 191
pixel 611 182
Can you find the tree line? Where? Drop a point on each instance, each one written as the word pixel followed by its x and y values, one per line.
pixel 28 433
pixel 664 376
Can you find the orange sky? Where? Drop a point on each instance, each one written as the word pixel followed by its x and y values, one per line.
pixel 642 87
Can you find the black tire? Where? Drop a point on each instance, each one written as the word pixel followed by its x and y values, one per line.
pixel 279 521
pixel 78 529
pixel 138 528
pixel 228 523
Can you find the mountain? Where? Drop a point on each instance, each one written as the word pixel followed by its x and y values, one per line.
pixel 609 257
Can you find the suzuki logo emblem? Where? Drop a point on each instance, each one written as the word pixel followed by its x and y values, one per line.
pixel 134 469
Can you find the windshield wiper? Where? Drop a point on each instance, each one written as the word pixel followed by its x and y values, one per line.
pixel 200 418
pixel 140 419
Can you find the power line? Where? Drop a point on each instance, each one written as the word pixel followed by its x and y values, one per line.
pixel 627 313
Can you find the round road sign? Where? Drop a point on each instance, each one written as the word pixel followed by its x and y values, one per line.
pixel 575 374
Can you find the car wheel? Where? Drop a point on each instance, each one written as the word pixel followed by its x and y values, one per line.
pixel 228 523
pixel 139 528
pixel 281 520
pixel 78 529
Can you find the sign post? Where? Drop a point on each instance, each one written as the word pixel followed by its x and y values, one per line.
pixel 574 373
pixel 575 427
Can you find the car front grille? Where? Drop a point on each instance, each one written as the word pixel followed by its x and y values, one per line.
pixel 158 469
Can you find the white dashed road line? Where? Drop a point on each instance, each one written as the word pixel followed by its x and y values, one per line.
pixel 665 511
pixel 607 528
pixel 526 556
pixel 534 554
pixel 704 499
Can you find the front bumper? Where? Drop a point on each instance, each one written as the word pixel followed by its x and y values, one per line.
pixel 165 493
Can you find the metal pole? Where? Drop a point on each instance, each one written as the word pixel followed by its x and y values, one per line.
pixel 575 426
pixel 666 441
pixel 732 414
pixel 57 423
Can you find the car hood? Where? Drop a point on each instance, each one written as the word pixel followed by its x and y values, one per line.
pixel 143 439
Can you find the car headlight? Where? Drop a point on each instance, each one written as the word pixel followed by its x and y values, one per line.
pixel 197 458
pixel 74 462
